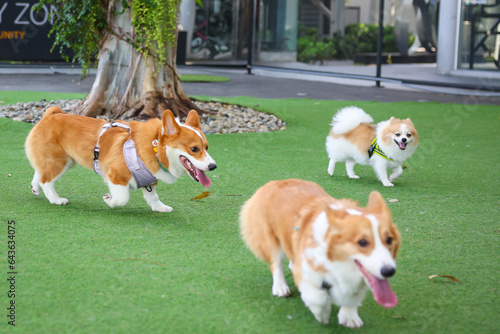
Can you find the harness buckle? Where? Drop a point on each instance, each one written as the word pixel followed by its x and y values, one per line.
pixel 370 151
pixel 96 153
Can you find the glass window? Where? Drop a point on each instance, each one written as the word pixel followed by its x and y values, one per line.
pixel 479 35
pixel 213 29
pixel 277 29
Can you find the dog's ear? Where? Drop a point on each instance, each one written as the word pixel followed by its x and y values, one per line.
pixel 392 119
pixel 170 126
pixel 396 241
pixel 377 203
pixel 193 119
pixel 329 210
pixel 332 215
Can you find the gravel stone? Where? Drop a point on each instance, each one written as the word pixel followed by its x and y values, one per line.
pixel 225 118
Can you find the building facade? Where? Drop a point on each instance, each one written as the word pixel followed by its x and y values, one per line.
pixel 469 38
pixel 219 29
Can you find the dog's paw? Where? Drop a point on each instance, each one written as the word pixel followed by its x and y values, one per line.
pixel 324 320
pixel 353 176
pixel 388 184
pixel 393 177
pixel 281 290
pixel 60 201
pixel 321 313
pixel 35 192
pixel 108 200
pixel 348 317
pixel 161 208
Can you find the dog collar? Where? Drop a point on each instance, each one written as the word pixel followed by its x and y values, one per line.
pixel 162 166
pixel 374 149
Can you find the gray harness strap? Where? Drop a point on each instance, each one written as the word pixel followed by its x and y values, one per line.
pixel 141 174
pixel 105 127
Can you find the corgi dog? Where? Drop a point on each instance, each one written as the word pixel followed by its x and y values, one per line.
pixel 355 140
pixel 164 149
pixel 337 249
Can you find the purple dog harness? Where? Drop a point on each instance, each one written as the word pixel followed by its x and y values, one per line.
pixel 141 174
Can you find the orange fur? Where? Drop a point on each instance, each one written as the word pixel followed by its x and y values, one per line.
pixel 60 139
pixel 361 136
pixel 279 216
pixel 352 135
pixel 394 125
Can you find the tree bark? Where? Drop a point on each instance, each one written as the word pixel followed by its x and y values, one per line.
pixel 127 85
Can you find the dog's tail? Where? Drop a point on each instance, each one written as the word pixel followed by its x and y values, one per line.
pixel 53 110
pixel 348 118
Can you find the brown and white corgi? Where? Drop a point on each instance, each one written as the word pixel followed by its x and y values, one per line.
pixel 353 139
pixel 337 249
pixel 164 149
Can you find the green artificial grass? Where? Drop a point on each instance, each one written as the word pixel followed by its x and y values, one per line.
pixel 202 78
pixel 13 97
pixel 87 268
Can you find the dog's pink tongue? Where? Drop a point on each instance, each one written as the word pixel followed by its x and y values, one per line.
pixel 382 292
pixel 204 180
pixel 402 145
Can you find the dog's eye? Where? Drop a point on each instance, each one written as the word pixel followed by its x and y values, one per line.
pixel 408 135
pixel 195 149
pixel 398 134
pixel 388 240
pixel 363 243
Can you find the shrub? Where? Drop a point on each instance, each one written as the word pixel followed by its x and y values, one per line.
pixel 357 38
pixel 310 49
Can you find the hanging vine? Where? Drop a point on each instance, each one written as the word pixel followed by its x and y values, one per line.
pixel 155 24
pixel 90 30
pixel 80 27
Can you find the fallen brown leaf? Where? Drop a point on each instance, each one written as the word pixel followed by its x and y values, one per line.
pixel 202 195
pixel 454 279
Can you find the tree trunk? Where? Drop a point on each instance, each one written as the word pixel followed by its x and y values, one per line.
pixel 126 85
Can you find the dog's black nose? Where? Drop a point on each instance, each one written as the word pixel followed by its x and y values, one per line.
pixel 388 271
pixel 212 167
pixel 404 140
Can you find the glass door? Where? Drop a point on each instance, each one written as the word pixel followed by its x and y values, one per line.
pixel 479 35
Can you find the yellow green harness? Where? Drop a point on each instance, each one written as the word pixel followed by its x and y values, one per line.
pixel 374 149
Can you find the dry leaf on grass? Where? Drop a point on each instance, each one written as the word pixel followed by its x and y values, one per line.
pixel 393 200
pixel 454 279
pixel 202 195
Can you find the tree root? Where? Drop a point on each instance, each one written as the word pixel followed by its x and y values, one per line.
pixel 153 104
